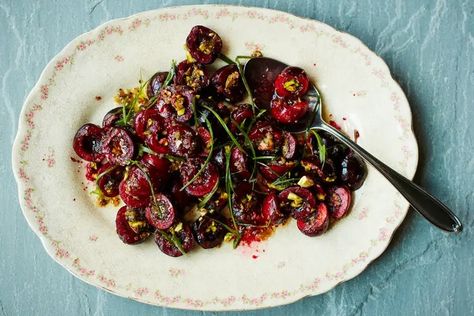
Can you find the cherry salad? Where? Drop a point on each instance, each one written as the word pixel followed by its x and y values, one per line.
pixel 194 163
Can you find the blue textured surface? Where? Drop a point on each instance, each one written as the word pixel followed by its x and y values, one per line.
pixel 428 45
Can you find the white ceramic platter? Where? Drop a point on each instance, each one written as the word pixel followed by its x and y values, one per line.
pixel 357 88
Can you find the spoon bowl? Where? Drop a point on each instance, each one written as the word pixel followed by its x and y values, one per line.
pixel 261 73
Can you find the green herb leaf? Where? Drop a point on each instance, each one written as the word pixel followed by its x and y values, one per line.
pixel 170 75
pixel 321 147
pixel 208 196
pixel 226 59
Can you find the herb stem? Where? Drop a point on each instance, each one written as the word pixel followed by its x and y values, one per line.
pixel 226 59
pixel 224 125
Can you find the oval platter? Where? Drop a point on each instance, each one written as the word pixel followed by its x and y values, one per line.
pixel 78 86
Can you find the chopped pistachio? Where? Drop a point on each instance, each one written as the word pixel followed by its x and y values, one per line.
pixel 296 200
pixel 305 182
pixel 291 85
pixel 178 227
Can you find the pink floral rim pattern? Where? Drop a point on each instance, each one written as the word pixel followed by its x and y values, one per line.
pixel 155 296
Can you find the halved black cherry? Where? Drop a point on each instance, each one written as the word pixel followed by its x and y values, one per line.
pixel 117 145
pixel 339 201
pixel 292 82
pixel 131 225
pixel 300 202
pixel 266 138
pixel 288 111
pixel 111 118
pixel 87 142
pixel 182 140
pixel 175 103
pixel 134 188
pixel 160 213
pixel 181 233
pixel 191 74
pixel 271 210
pixel 110 178
pixel 208 232
pixel 228 83
pixel 353 171
pixel 155 83
pixel 239 164
pixel 317 223
pixel 246 205
pixel 203 44
pixel 205 182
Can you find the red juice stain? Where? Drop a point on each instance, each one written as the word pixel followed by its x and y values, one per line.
pixel 356 135
pixel 255 234
pixel 254 256
pixel 334 124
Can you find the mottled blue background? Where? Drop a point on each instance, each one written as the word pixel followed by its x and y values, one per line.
pixel 429 47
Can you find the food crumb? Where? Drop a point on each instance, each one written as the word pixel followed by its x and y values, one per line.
pixel 356 135
pixel 254 256
pixel 98 97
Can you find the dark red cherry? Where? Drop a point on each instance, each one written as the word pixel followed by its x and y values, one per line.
pixel 228 83
pixel 218 201
pixel 240 113
pixel 110 178
pixel 203 44
pixel 160 213
pixel 300 202
pixel 181 198
pixel 134 188
pixel 246 205
pixel 88 142
pixel 262 184
pixel 148 123
pixel 158 169
pixel 182 140
pixel 239 164
pixel 191 74
pixel 338 201
pixel 111 118
pixel 181 232
pixel 266 138
pixel 276 168
pixel 288 148
pixel 316 224
pixel 175 103
pixel 205 140
pixel 117 145
pixel 130 226
pixel 326 172
pixel 205 182
pixel 271 210
pixel 353 171
pixel 288 111
pixel 155 83
pixel 208 232
pixel 292 82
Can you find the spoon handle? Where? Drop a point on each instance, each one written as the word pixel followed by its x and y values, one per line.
pixel 423 202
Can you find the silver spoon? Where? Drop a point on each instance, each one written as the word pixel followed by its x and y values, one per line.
pixel 260 74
